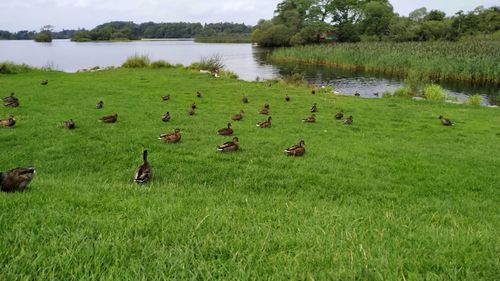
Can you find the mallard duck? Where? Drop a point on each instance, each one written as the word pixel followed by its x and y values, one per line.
pixel 99 105
pixel 239 116
pixel 229 146
pixel 348 121
pixel 314 108
pixel 244 99
pixel 171 137
pixel 445 121
pixel 16 179
pixel 44 82
pixel 10 98
pixel 287 98
pixel 109 119
pixel 12 104
pixel 198 94
pixel 165 98
pixel 69 124
pixel 9 122
pixel 265 124
pixel 339 115
pixel 296 150
pixel 193 106
pixel 226 131
pixel 357 94
pixel 144 172
pixel 191 111
pixel 310 119
pixel 166 117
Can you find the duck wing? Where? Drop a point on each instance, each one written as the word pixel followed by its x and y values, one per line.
pixel 143 173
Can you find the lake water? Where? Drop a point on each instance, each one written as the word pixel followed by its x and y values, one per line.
pixel 248 61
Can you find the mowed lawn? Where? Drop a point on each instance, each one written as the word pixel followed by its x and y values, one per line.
pixel 395 196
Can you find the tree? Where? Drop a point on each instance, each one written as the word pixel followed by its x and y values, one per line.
pixel 45 34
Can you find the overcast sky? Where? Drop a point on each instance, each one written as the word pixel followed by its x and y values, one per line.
pixel 71 14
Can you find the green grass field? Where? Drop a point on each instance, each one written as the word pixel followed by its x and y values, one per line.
pixel 395 196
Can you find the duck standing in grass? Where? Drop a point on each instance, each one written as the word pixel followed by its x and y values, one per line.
pixel 165 98
pixel 109 119
pixel 229 146
pixel 314 108
pixel 339 115
pixel 226 131
pixel 239 116
pixel 9 122
pixel 244 99
pixel 287 98
pixel 69 124
pixel 265 124
pixel 144 172
pixel 348 121
pixel 171 137
pixel 296 150
pixel 310 119
pixel 99 105
pixel 445 121
pixel 16 179
pixel 44 82
pixel 165 117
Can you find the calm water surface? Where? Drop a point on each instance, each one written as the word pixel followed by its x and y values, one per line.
pixel 248 61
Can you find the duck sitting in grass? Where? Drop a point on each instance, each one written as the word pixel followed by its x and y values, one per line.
pixel 14 103
pixel 69 124
pixel 229 146
pixel 165 98
pixel 310 119
pixel 348 121
pixel 264 111
pixel 10 98
pixel 9 122
pixel 109 119
pixel 296 150
pixel 171 137
pixel 239 116
pixel 339 115
pixel 99 105
pixel 244 99
pixel 265 124
pixel 16 179
pixel 198 94
pixel 193 106
pixel 165 117
pixel 144 172
pixel 226 131
pixel 287 98
pixel 44 82
pixel 314 108
pixel 445 121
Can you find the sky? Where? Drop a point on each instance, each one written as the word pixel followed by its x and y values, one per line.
pixel 72 14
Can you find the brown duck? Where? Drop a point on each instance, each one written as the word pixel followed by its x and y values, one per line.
pixel 296 150
pixel 69 124
pixel 143 172
pixel 445 121
pixel 287 98
pixel 10 98
pixel 348 121
pixel 171 137
pixel 339 115
pixel 99 105
pixel 16 179
pixel 314 108
pixel 109 119
pixel 226 131
pixel 44 82
pixel 244 99
pixel 310 119
pixel 9 122
pixel 229 146
pixel 165 117
pixel 239 116
pixel 265 124
pixel 165 98
pixel 12 104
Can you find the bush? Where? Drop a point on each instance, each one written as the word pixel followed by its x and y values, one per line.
pixel 434 92
pixel 161 64
pixel 404 92
pixel 474 100
pixel 137 61
pixel 44 37
pixel 296 79
pixel 212 64
pixel 228 74
pixel 415 82
pixel 12 68
pixel 387 94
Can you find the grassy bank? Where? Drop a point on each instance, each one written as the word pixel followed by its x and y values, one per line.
pixel 224 39
pixel 475 62
pixel 395 196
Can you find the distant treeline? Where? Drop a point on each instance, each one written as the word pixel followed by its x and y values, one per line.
pixel 30 35
pixel 299 22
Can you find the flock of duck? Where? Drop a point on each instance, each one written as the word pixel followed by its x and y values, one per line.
pixel 18 178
